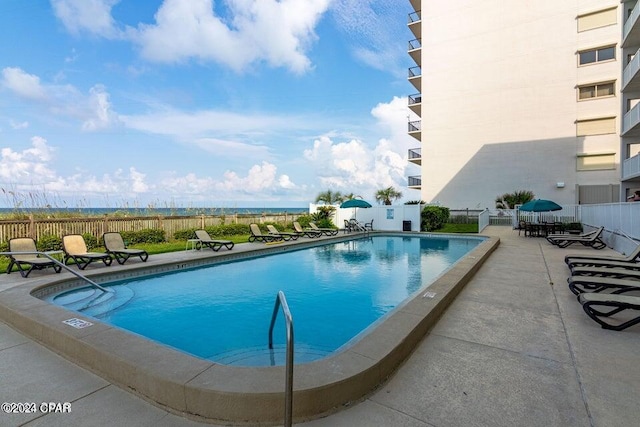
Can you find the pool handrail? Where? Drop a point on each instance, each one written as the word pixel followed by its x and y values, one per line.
pixel 281 301
pixel 63 265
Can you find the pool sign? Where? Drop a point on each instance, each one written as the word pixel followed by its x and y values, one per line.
pixel 77 323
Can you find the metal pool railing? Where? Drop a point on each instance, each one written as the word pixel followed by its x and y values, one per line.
pixel 281 301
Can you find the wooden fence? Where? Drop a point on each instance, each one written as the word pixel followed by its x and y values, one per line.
pixel 97 226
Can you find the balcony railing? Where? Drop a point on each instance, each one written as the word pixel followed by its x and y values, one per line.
pixel 631 167
pixel 415 17
pixel 414 181
pixel 415 71
pixel 415 98
pixel 415 153
pixel 631 120
pixel 414 126
pixel 630 23
pixel 415 44
pixel 630 71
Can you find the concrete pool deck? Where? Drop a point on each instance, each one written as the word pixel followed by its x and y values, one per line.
pixel 514 348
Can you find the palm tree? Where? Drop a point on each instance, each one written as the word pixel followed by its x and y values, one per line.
pixel 385 195
pixel 330 197
pixel 510 200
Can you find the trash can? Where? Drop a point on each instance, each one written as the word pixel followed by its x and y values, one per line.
pixel 406 225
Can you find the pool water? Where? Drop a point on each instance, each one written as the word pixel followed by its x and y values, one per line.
pixel 222 312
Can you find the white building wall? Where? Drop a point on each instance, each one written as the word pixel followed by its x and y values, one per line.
pixel 499 100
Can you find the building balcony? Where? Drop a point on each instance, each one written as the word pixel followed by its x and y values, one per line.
pixel 415 77
pixel 631 29
pixel 415 24
pixel 631 74
pixel 415 156
pixel 631 168
pixel 415 182
pixel 415 51
pixel 631 122
pixel 415 4
pixel 415 103
pixel 415 131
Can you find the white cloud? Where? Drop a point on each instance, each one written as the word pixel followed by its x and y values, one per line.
pixel 91 16
pixel 16 125
pixel 28 166
pixel 354 168
pixel 276 32
pixel 373 29
pixel 23 84
pixel 260 183
pixel 93 110
pixel 99 110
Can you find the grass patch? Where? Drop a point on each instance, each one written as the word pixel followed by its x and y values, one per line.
pixel 459 228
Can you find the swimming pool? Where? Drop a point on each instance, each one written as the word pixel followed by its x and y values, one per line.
pixel 222 312
pixel 228 394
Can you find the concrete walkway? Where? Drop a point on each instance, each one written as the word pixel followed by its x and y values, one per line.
pixel 514 349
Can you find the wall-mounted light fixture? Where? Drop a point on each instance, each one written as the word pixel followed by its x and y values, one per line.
pixel 559 184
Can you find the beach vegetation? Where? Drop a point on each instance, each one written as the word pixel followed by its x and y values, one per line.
pixel 386 196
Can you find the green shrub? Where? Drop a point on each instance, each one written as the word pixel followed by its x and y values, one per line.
pixel 304 220
pixel 90 240
pixel 433 218
pixel 49 242
pixel 214 231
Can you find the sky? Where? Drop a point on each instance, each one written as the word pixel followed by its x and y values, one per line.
pixel 202 103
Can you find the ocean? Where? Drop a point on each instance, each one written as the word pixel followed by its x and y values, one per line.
pixel 154 211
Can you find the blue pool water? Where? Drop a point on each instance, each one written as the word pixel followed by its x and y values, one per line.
pixel 222 312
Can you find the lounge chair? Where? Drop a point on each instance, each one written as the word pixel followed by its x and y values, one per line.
pixel 115 246
pixel 616 302
pixel 587 259
pixel 369 225
pixel 215 245
pixel 75 248
pixel 285 235
pixel 633 265
pixel 593 240
pixel 325 231
pixel 552 238
pixel 580 284
pixel 30 260
pixel 620 273
pixel 348 228
pixel 305 231
pixel 257 236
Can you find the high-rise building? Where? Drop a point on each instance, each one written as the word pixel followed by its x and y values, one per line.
pixel 535 95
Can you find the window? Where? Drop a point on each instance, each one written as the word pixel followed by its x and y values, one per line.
pixel 596 126
pixel 597 90
pixel 598 19
pixel 593 162
pixel 597 55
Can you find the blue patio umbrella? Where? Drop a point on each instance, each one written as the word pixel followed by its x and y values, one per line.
pixel 540 205
pixel 355 203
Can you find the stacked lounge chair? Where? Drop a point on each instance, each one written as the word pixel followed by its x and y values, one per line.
pixel 257 236
pixel 325 231
pixel 591 239
pixel 602 285
pixel 285 235
pixel 306 232
pixel 601 260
